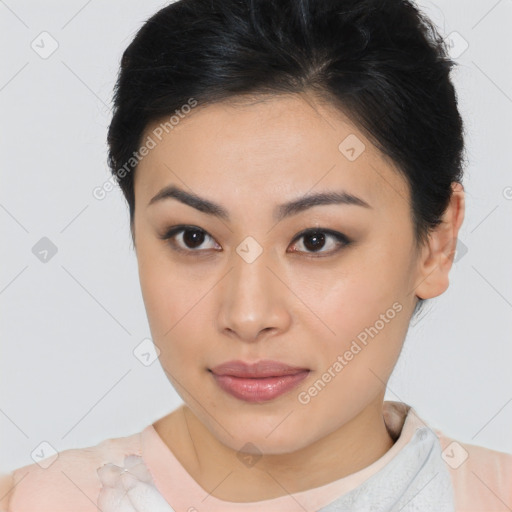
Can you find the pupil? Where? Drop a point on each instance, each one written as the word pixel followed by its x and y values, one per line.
pixel 315 245
pixel 193 236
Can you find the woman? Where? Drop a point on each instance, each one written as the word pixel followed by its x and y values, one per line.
pixel 293 172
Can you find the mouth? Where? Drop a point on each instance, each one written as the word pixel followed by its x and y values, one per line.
pixel 257 382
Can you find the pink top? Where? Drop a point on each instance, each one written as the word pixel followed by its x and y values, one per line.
pixel 481 478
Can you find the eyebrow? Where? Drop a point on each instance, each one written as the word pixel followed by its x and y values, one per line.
pixel 282 211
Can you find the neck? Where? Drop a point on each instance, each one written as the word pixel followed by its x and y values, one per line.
pixel 361 441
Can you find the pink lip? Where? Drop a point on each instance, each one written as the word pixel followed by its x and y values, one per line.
pixel 258 382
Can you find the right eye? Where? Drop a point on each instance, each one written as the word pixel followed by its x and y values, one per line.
pixel 186 239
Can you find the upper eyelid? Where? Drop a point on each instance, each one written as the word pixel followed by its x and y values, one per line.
pixel 179 229
pixel 176 230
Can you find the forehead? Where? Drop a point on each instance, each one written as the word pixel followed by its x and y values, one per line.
pixel 281 146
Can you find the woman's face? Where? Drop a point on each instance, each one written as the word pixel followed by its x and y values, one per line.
pixel 246 286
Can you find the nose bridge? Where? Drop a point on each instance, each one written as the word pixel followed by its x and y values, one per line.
pixel 250 280
pixel 252 301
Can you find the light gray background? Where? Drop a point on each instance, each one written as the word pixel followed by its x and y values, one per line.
pixel 70 325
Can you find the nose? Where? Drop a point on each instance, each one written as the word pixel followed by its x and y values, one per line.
pixel 253 301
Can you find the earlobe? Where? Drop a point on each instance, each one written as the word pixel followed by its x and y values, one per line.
pixel 437 256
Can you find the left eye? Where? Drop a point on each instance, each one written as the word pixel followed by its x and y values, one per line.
pixel 314 239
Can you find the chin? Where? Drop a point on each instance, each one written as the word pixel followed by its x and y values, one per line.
pixel 256 440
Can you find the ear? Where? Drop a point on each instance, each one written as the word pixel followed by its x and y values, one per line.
pixel 132 233
pixel 437 256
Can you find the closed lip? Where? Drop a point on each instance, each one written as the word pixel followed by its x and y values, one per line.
pixel 259 369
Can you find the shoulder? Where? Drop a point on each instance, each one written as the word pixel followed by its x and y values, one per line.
pixel 481 477
pixel 67 480
pixel 6 487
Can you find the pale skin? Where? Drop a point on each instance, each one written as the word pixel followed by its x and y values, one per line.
pixel 286 305
pixel 282 306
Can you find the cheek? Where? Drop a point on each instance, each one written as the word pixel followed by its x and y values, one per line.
pixel 365 311
pixel 351 296
pixel 164 292
pixel 369 326
pixel 176 315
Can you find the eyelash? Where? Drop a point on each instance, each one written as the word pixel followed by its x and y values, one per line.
pixel 340 238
